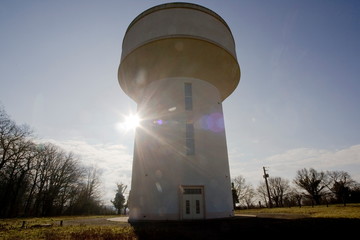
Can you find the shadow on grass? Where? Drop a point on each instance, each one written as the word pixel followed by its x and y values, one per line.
pixel 241 227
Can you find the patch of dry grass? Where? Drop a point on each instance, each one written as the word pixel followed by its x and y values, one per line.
pixel 70 233
pixel 50 229
pixel 321 211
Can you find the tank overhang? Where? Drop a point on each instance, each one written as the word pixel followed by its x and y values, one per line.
pixel 178 57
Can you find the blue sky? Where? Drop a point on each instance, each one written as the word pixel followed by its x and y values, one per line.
pixel 296 106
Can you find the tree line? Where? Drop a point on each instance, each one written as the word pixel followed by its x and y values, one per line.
pixel 41 179
pixel 309 187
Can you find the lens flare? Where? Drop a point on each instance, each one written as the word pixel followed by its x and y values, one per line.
pixel 131 122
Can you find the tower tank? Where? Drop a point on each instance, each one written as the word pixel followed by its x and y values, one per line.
pixel 179 64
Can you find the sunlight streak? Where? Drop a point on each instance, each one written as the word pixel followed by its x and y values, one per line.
pixel 130 122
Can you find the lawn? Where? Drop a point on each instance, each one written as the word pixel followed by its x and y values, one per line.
pixel 51 229
pixel 67 232
pixel 322 211
pixel 339 218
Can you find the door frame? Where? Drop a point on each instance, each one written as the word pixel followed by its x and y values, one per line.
pixel 181 198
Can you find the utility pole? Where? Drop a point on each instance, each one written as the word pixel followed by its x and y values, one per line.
pixel 267 187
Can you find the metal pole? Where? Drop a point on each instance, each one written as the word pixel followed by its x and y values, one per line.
pixel 267 187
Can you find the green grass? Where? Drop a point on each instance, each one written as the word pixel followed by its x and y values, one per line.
pixel 321 211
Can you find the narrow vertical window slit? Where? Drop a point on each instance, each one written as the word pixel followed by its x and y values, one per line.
pixel 189 138
pixel 188 97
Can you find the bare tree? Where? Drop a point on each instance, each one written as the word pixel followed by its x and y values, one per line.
pixel 16 157
pixel 244 191
pixel 42 173
pixel 42 179
pixel 340 183
pixel 238 184
pixel 263 194
pixel 87 195
pixel 53 173
pixel 235 197
pixel 68 174
pixel 92 181
pixel 278 187
pixel 249 196
pixel 294 197
pixel 312 182
pixel 33 181
pixel 11 135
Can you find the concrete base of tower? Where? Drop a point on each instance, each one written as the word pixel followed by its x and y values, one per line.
pixel 190 206
pixel 135 218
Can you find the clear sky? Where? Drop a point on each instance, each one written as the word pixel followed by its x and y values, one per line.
pixel 296 106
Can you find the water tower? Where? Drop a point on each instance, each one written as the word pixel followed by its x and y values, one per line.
pixel 179 64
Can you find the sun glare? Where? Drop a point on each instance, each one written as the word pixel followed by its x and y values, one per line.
pixel 130 122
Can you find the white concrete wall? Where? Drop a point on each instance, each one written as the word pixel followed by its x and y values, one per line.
pixel 161 165
pixel 161 23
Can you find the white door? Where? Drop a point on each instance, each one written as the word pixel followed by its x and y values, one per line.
pixel 193 203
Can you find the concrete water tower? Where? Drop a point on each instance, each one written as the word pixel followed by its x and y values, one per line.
pixel 179 64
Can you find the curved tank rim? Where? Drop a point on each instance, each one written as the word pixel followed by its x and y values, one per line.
pixel 121 80
pixel 177 5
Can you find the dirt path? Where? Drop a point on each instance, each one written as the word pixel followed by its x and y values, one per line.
pixel 101 221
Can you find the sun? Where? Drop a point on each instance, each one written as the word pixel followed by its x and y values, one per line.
pixel 130 122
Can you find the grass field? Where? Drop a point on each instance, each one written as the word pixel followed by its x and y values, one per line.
pixel 70 232
pixel 322 211
pixel 50 229
pixel 343 219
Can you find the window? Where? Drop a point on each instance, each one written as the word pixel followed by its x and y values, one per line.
pixel 189 138
pixel 197 206
pixel 188 96
pixel 192 191
pixel 187 207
